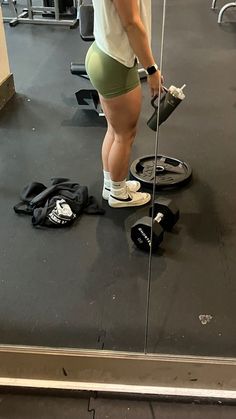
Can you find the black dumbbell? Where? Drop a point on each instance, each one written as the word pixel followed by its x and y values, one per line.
pixel 166 215
pixel 169 211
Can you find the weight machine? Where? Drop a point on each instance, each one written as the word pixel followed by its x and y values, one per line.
pixel 51 12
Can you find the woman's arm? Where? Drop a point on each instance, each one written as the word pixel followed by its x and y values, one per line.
pixel 129 14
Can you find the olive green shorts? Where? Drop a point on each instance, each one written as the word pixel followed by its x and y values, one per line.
pixel 108 76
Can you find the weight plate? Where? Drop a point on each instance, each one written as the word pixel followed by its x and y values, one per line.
pixel 171 172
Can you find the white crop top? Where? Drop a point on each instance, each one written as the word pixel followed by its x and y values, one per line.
pixel 109 33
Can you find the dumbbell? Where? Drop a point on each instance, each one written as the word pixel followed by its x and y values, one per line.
pixel 166 215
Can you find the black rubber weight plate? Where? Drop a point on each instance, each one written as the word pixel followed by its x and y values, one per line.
pixel 170 172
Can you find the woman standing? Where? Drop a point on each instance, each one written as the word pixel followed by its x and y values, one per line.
pixel 122 30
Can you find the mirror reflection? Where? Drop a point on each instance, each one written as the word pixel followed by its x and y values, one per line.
pixel 192 287
pixel 71 273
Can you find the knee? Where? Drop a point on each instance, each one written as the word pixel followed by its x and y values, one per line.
pixel 110 131
pixel 133 133
pixel 127 136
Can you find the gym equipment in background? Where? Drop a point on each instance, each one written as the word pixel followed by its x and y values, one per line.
pixel 11 5
pixel 51 12
pixel 87 99
pixel 166 215
pixel 223 9
pixel 169 172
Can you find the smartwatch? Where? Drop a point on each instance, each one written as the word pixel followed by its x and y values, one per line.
pixel 152 69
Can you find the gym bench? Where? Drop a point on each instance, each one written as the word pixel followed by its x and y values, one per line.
pixel 86 98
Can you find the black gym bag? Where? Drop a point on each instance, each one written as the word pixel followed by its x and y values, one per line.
pixel 58 205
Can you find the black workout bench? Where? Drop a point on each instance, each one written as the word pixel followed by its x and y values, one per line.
pixel 87 98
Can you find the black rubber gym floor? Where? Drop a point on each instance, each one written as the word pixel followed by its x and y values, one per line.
pixel 18 406
pixel 86 286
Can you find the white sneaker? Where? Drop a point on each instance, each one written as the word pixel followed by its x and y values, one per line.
pixel 132 185
pixel 130 199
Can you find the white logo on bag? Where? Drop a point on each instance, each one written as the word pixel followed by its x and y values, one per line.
pixel 61 213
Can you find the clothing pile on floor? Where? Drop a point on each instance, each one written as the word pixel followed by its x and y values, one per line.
pixel 56 205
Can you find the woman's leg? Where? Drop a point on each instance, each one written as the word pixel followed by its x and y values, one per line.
pixel 133 185
pixel 122 114
pixel 106 147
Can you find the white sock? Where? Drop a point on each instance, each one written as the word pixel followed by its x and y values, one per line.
pixel 119 188
pixel 107 179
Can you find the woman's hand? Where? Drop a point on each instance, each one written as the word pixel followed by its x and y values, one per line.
pixel 155 82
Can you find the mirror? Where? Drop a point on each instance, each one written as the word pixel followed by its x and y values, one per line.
pixel 192 290
pixel 84 286
pixel 88 286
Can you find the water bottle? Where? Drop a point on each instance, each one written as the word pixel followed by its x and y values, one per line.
pixel 169 101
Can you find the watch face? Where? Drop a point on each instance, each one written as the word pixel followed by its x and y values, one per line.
pixel 151 70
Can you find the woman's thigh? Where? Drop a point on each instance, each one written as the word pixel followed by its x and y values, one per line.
pixel 122 112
